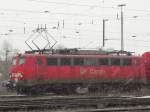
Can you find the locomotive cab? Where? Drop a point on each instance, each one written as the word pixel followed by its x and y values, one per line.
pixel 26 69
pixel 17 69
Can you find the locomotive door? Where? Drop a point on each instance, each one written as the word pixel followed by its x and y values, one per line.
pixel 40 68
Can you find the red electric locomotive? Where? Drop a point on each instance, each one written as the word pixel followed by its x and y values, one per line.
pixel 77 71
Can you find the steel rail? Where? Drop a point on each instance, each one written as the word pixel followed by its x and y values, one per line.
pixel 134 109
pixel 72 102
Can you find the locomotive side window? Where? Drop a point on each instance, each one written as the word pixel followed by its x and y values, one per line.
pixel 39 61
pixel 115 62
pixel 79 61
pixel 103 61
pixel 21 60
pixel 127 62
pixel 90 62
pixel 51 61
pixel 65 61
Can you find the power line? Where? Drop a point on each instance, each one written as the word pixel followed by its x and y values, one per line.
pixel 128 44
pixel 54 13
pixel 92 6
pixel 21 11
pixel 64 3
pixel 71 29
pixel 82 15
pixel 70 14
pixel 138 10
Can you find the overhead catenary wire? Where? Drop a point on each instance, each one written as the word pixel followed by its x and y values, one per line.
pixel 22 16
pixel 73 29
pixel 82 5
pixel 72 14
pixel 138 17
pixel 64 3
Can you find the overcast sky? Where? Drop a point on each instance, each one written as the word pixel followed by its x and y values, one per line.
pixel 82 23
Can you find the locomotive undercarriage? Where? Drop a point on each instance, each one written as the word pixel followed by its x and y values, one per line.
pixel 82 87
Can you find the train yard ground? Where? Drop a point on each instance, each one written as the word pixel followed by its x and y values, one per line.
pixel 74 103
pixel 102 102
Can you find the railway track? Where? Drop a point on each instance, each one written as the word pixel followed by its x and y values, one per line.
pixel 127 109
pixel 92 103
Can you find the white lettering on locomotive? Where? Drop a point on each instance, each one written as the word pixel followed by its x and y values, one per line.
pixel 84 71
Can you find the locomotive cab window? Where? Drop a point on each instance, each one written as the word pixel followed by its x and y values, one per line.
pixel 21 60
pixel 65 61
pixel 78 61
pixel 52 61
pixel 103 61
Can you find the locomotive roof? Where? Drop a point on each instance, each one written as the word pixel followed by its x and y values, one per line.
pixel 75 55
pixel 78 53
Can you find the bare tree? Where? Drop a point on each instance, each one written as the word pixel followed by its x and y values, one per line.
pixel 5 62
pixel 7 48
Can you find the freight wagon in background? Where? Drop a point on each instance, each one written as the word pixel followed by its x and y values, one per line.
pixel 78 71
